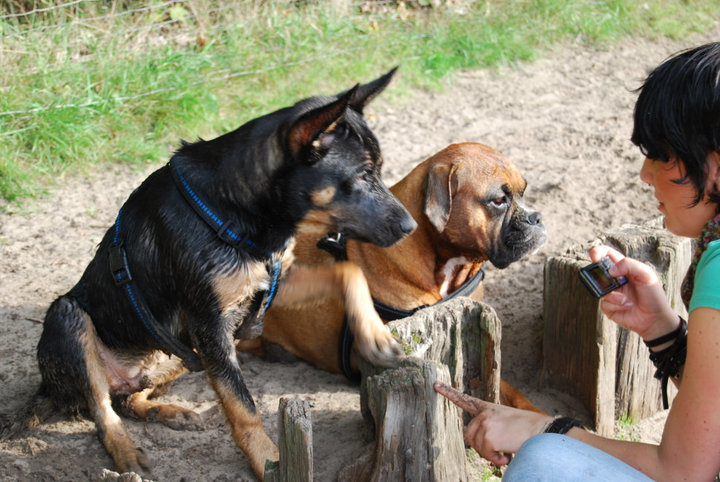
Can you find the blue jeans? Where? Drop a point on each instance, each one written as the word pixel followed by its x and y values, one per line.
pixel 553 457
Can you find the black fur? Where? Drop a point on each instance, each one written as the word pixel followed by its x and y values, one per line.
pixel 262 177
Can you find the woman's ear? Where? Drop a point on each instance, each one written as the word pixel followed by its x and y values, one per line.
pixel 714 170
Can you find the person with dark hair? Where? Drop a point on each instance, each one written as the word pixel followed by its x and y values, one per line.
pixel 677 128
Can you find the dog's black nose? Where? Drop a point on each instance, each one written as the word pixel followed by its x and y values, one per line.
pixel 407 225
pixel 535 218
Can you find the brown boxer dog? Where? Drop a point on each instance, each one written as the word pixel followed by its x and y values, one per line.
pixel 467 201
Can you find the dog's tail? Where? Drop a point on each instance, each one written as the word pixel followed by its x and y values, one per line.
pixel 31 415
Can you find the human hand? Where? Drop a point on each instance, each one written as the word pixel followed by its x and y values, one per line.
pixel 640 305
pixel 495 430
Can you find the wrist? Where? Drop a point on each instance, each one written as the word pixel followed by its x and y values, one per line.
pixel 546 422
pixel 662 334
pixel 562 425
pixel 668 354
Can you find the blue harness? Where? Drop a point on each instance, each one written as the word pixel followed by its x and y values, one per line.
pixel 226 231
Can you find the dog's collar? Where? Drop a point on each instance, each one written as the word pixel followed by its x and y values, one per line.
pixel 391 313
pixel 227 232
pixel 336 245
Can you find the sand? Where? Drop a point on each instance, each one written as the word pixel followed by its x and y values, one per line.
pixel 564 120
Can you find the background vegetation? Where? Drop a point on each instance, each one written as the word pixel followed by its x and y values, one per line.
pixel 85 82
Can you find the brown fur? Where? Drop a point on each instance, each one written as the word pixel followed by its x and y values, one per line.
pixel 441 194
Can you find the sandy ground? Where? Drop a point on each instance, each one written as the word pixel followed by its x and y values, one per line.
pixel 564 120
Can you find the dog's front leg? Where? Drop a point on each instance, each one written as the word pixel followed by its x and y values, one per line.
pixel 345 282
pixel 217 351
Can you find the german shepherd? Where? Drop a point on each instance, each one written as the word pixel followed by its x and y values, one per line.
pixel 197 254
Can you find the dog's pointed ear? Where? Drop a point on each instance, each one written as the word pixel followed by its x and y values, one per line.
pixel 438 195
pixel 365 93
pixel 305 134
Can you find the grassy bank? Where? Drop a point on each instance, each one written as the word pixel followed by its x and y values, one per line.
pixel 86 82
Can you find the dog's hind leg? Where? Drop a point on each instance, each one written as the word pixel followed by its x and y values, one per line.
pixel 512 397
pixel 73 374
pixel 138 404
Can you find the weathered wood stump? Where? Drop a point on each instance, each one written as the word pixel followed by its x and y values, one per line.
pixel 588 355
pixel 295 443
pixel 417 433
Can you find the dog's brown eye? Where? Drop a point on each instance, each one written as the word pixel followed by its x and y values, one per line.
pixel 366 173
pixel 500 201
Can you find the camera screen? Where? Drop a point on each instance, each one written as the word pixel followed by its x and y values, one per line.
pixel 601 278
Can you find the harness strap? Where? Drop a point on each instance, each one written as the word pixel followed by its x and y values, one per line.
pixel 337 246
pixel 227 231
pixel 117 260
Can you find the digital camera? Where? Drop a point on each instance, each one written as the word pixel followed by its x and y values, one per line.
pixel 597 279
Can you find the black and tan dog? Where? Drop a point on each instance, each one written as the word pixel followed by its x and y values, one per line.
pixel 194 259
pixel 467 200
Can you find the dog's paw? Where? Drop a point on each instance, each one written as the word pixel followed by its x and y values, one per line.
pixel 132 461
pixel 184 419
pixel 381 348
pixel 418 351
pixel 110 476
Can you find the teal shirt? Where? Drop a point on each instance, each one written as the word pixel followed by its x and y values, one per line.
pixel 706 291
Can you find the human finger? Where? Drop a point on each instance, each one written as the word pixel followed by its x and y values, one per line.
pixel 599 252
pixel 498 458
pixel 476 436
pixel 616 300
pixel 630 268
pixel 634 270
pixel 466 402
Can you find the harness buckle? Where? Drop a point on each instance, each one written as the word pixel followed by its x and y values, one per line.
pixel 117 259
pixel 335 244
pixel 227 231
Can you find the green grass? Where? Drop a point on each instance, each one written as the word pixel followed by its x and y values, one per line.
pixel 101 81
pixel 624 429
pixel 481 469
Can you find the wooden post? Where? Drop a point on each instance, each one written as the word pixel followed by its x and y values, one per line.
pixel 589 356
pixel 579 344
pixel 418 434
pixel 637 392
pixel 295 444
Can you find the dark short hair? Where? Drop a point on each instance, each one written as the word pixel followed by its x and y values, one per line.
pixel 677 114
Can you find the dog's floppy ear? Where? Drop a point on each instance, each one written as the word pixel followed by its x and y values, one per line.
pixel 305 133
pixel 438 194
pixel 367 92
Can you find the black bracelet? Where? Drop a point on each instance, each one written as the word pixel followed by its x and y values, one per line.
pixel 562 425
pixel 667 337
pixel 669 361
